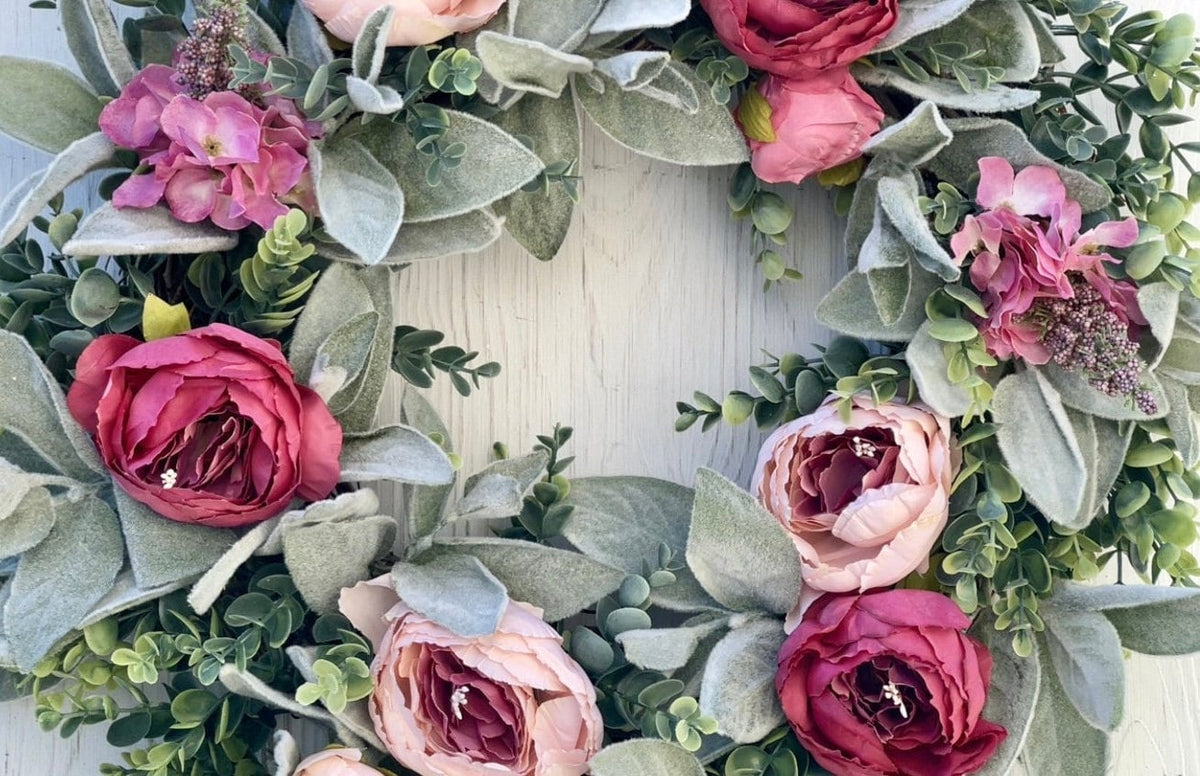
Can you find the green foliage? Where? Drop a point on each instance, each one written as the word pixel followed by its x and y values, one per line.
pixel 779 754
pixel 649 704
pixel 792 385
pixel 341 666
pixel 543 511
pixel 725 74
pixel 948 59
pixel 105 674
pixel 771 216
pixel 950 310
pixel 455 71
pixel 60 304
pixel 416 358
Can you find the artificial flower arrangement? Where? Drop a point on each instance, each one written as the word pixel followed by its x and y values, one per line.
pixel 196 368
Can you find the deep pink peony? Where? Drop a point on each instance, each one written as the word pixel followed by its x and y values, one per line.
pixel 1022 248
pixel 863 500
pixel 819 123
pixel 887 684
pixel 508 704
pixel 415 23
pixel 222 158
pixel 206 427
pixel 800 38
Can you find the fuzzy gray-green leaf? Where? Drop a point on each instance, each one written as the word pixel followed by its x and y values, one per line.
pixel 738 688
pixel 361 203
pixel 209 587
pixel 397 453
pixel 622 520
pixel 528 65
pixel 27 518
pixel 370 46
pixel 1149 619
pixel 917 17
pixel 630 15
pixel 306 39
pixel 59 580
pixel 426 503
pixel 1039 446
pixel 667 649
pixel 913 140
pixel 494 165
pixel 110 231
pixel 96 43
pixel 1077 393
pixel 30 196
pixel 540 220
pixel 45 105
pixel 162 551
pixel 319 574
pixel 498 490
pixel 659 130
pixel 341 359
pixel 560 24
pixel 946 92
pixel 926 358
pixel 645 757
pixel 1058 729
pixel 1000 30
pixel 33 408
pixel 560 582
pixel 898 201
pixel 455 590
pixel 467 233
pixel 730 530
pixel 1086 654
pixel 1012 695
pixel 848 308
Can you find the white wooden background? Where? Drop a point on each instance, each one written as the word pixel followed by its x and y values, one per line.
pixel 653 296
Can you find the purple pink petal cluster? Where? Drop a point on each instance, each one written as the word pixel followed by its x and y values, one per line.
pixel 222 158
pixel 1026 248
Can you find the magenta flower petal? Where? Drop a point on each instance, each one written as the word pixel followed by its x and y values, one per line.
pixel 139 191
pixel 191 194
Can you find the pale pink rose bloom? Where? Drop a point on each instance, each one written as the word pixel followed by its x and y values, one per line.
pixel 415 23
pixel 508 704
pixel 819 122
pixel 1024 245
pixel 335 762
pixel 864 500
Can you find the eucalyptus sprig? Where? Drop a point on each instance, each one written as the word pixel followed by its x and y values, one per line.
pixel 416 358
pixel 771 216
pixel 543 511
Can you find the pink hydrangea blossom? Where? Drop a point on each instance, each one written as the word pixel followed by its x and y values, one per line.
pixel 222 158
pixel 1026 246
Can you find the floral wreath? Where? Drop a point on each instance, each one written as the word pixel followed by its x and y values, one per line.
pixel 194 370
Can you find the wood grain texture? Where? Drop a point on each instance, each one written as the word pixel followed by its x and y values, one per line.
pixel 652 297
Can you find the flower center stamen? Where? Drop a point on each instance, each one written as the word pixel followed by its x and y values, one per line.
pixel 892 693
pixel 169 478
pixel 212 146
pixel 863 448
pixel 458 699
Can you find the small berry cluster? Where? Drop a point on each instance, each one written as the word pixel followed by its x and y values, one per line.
pixel 203 58
pixel 1084 334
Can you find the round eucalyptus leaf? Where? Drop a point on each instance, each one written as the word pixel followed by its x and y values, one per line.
pixel 95 297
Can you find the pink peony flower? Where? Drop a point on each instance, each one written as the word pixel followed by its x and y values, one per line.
pixel 508 704
pixel 863 500
pixel 800 38
pixel 222 158
pixel 335 762
pixel 819 123
pixel 887 684
pixel 415 23
pixel 1023 247
pixel 205 427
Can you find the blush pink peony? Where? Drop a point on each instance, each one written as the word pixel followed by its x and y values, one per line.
pixel 222 158
pixel 863 500
pixel 508 704
pixel 887 684
pixel 415 23
pixel 1026 246
pixel 335 762
pixel 819 123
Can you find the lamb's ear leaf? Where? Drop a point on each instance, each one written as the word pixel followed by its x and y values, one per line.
pixel 426 511
pixel 306 39
pixel 319 576
pixel 1000 30
pixel 1012 695
pixel 371 44
pixel 630 15
pixel 498 490
pixel 645 757
pixel 559 24
pixel 917 17
pixel 1086 654
pixel 738 688
pixel 948 93
pixel 109 231
pixel 95 42
pixel 730 530
pixel 58 581
pixel 455 590
pixel 397 453
pixel 45 105
pixel 161 551
pixel 361 203
pixel 540 219
pixel 1057 727
pixel 1149 619
pixel 528 65
pixel 622 521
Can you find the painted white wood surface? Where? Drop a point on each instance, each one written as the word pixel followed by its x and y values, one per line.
pixel 653 296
